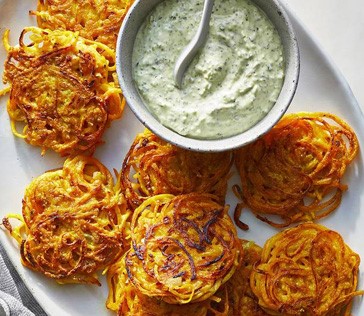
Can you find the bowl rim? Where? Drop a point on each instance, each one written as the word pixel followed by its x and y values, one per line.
pixel 136 104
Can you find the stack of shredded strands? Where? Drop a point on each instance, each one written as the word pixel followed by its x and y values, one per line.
pixel 183 247
pixel 74 222
pixel 306 270
pixel 95 20
pixel 62 88
pixel 303 157
pixel 153 166
pixel 125 299
pixel 234 298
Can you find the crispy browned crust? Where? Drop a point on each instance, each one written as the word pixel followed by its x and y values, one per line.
pixel 126 300
pixel 153 166
pixel 234 298
pixel 306 270
pixel 75 222
pixel 303 157
pixel 62 90
pixel 183 247
pixel 95 20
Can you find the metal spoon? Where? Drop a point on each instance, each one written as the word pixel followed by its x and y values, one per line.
pixel 194 45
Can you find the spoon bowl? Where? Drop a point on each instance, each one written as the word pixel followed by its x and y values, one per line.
pixel 124 52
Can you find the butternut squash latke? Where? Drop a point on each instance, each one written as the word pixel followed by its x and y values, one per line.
pixel 153 166
pixel 234 298
pixel 306 270
pixel 62 89
pixel 93 19
pixel 126 300
pixel 295 170
pixel 183 247
pixel 73 222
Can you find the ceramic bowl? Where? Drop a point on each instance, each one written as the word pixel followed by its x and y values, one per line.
pixel 124 50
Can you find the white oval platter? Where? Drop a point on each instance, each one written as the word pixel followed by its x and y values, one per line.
pixel 321 88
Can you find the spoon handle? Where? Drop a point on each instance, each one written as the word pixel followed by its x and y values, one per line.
pixel 194 45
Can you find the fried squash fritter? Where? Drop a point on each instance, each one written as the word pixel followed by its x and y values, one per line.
pixel 74 222
pixel 295 170
pixel 183 247
pixel 234 298
pixel 306 270
pixel 62 90
pixel 95 20
pixel 126 300
pixel 153 166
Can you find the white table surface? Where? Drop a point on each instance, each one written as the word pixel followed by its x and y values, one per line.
pixel 338 26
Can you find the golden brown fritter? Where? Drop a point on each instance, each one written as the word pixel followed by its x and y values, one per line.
pixel 234 298
pixel 74 222
pixel 95 20
pixel 306 270
pixel 153 166
pixel 126 300
pixel 62 90
pixel 303 157
pixel 183 247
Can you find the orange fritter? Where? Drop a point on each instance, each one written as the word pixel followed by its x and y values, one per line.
pixel 95 20
pixel 125 299
pixel 234 298
pixel 306 270
pixel 295 170
pixel 74 222
pixel 62 90
pixel 153 166
pixel 183 247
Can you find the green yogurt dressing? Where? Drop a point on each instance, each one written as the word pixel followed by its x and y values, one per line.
pixel 231 84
